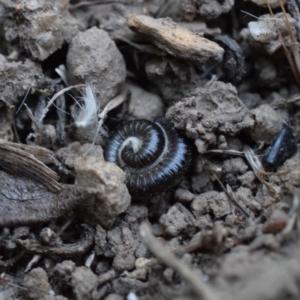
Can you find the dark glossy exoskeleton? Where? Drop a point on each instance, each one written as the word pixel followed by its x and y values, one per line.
pixel 153 155
pixel 283 147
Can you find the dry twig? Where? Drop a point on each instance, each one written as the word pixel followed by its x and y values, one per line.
pixel 227 152
pixel 294 58
pixel 94 2
pixel 168 258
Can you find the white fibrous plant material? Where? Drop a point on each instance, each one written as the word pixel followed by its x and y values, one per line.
pixel 85 115
pixel 62 72
pixel 132 296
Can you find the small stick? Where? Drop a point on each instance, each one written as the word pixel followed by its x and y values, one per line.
pixel 293 8
pixel 35 259
pixel 64 227
pixel 94 2
pixel 168 258
pixel 228 152
pixel 294 64
pixel 295 45
pixel 32 118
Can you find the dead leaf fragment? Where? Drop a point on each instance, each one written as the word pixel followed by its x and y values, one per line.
pixel 21 162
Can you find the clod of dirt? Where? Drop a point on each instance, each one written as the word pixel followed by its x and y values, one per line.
pixel 70 24
pixel 114 297
pixel 112 197
pixel 124 259
pixel 246 199
pixel 8 287
pixel 177 219
pixel 267 73
pixel 144 105
pixel 263 35
pixel 292 165
pixel 267 124
pixel 201 180
pixel 136 213
pixel 263 277
pixel 184 196
pixel 94 59
pixel 210 108
pixel 62 275
pixel 122 242
pixel 17 78
pixel 264 196
pixel 235 165
pixel 51 297
pixel 176 40
pixel 35 284
pixel 68 155
pixel 37 28
pixel 212 202
pixel 276 222
pixel 248 179
pixel 207 9
pixel 122 285
pixel 84 283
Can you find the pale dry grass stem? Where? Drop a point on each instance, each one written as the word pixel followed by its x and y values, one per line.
pixel 293 55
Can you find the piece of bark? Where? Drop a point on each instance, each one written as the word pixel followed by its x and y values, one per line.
pixel 176 40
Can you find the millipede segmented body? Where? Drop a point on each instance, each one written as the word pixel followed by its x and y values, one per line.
pixel 153 155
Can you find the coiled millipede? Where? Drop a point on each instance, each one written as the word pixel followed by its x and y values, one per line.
pixel 153 155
